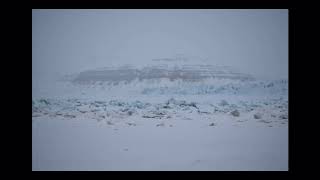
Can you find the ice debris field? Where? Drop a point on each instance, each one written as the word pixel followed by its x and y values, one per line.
pixel 161 124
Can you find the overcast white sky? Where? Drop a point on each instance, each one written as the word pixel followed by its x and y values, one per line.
pixel 68 41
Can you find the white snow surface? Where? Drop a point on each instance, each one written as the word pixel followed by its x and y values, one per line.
pixel 161 125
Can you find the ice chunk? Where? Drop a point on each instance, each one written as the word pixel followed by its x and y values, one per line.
pixel 161 124
pixel 83 109
pixel 131 124
pixel 235 113
pixel 116 103
pixel 139 105
pixel 69 116
pixel 223 103
pixel 203 108
pixel 283 116
pixel 257 116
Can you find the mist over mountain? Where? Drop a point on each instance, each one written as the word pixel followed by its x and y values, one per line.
pixel 72 41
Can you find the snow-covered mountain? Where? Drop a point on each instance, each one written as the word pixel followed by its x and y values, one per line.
pixel 165 68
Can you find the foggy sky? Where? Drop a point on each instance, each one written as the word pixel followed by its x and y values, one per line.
pixel 69 41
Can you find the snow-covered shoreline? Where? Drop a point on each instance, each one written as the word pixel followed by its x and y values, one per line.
pixel 159 144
